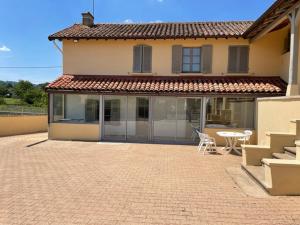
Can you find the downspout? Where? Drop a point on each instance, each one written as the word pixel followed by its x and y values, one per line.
pixel 56 46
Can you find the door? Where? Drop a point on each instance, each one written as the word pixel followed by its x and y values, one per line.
pixel 174 119
pixel 138 119
pixel 114 118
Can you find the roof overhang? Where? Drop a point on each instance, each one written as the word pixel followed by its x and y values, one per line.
pixel 169 85
pixel 273 17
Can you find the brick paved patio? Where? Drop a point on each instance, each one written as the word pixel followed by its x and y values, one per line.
pixel 88 183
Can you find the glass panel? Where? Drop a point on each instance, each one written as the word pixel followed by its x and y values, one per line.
pixel 186 68
pixel 115 117
pixel 196 67
pixel 196 59
pixel 186 59
pixel 58 109
pixel 186 51
pixel 92 109
pixel 196 51
pixel 76 108
pixel 164 118
pixel 188 116
pixel 230 112
pixel 138 118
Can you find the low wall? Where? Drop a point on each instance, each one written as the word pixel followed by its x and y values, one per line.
pixel 275 114
pixel 22 124
pixel 220 140
pixel 75 132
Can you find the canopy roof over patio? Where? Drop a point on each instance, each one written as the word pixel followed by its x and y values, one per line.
pixel 170 85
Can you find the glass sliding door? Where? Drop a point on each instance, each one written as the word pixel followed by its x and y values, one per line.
pixel 164 119
pixel 188 116
pixel 174 118
pixel 138 119
pixel 114 113
pixel 133 118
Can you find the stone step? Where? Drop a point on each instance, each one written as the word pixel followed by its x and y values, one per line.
pixel 283 156
pixel 258 174
pixel 290 150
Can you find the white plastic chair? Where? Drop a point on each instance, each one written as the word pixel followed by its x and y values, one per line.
pixel 246 139
pixel 195 131
pixel 209 143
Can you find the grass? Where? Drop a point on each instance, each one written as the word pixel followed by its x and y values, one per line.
pixel 13 101
pixel 17 106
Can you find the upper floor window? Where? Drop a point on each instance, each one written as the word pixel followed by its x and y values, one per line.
pixel 238 59
pixel 191 60
pixel 142 59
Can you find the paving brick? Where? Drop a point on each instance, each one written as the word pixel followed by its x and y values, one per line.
pixel 59 182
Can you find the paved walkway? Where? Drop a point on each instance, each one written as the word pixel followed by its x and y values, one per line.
pixel 88 183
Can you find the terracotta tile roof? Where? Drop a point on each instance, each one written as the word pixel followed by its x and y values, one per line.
pixel 155 30
pixel 276 12
pixel 199 85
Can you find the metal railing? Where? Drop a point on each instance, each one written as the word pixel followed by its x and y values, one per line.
pixel 22 110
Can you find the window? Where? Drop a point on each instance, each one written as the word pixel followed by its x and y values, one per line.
pixel 142 59
pixel 112 110
pixel 58 110
pixel 191 60
pixel 75 108
pixel 91 110
pixel 238 59
pixel 142 107
pixel 230 112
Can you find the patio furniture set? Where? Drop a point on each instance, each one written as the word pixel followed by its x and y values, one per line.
pixel 208 144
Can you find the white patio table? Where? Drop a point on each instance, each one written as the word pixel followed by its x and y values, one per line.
pixel 231 139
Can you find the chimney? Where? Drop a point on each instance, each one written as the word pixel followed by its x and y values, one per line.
pixel 87 19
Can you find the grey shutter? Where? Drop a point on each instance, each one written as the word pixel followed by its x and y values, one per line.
pixel 137 58
pixel 176 59
pixel 206 59
pixel 243 59
pixel 232 59
pixel 147 59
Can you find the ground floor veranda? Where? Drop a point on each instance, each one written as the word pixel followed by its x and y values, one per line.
pixel 133 118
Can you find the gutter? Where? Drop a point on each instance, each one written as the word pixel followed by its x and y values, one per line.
pixel 58 48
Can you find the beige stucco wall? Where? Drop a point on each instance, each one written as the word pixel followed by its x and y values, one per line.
pixel 285 64
pixel 80 132
pixel 114 57
pixel 275 114
pixel 15 125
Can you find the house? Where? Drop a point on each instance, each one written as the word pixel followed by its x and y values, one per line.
pixel 154 82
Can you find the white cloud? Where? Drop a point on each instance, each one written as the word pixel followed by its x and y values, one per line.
pixel 128 21
pixel 4 49
pixel 156 21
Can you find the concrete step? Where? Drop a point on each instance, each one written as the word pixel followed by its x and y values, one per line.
pixel 283 156
pixel 290 150
pixel 258 174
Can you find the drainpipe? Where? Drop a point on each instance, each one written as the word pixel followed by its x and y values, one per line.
pixel 293 88
pixel 58 48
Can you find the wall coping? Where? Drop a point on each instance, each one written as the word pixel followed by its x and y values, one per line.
pixel 282 98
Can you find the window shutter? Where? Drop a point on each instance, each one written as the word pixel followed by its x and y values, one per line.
pixel 147 59
pixel 137 58
pixel 232 59
pixel 244 59
pixel 176 59
pixel 206 59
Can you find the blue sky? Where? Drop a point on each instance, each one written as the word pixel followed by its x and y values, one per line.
pixel 26 24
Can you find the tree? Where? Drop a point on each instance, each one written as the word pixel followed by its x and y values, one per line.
pixel 22 87
pixel 3 90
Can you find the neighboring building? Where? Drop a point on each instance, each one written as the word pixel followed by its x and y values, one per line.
pixel 154 82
